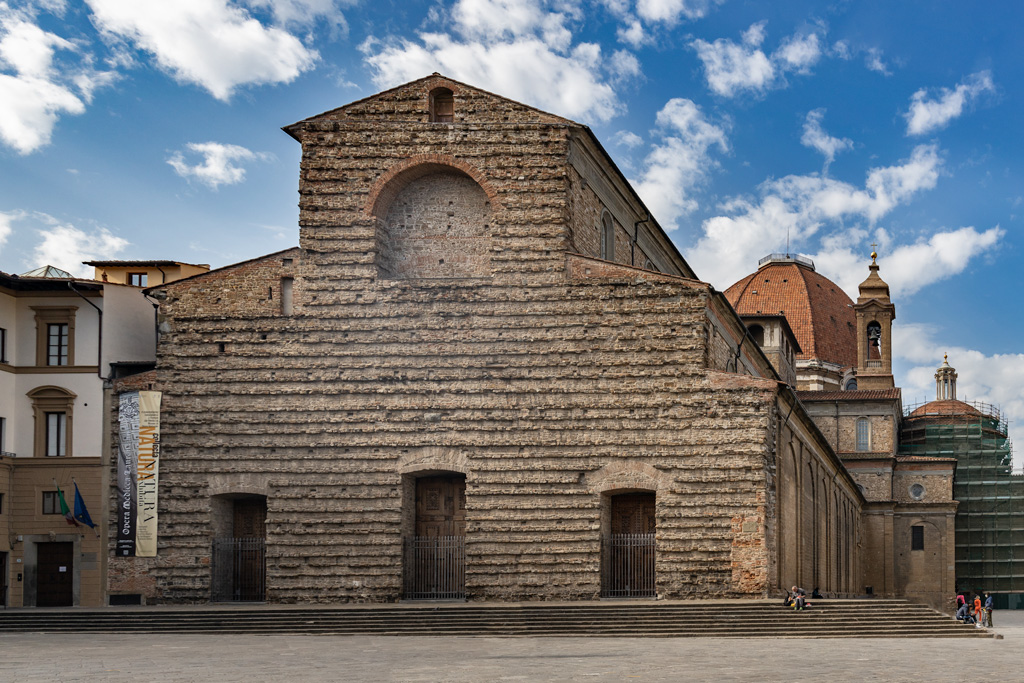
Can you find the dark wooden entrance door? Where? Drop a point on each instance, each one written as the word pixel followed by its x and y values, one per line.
pixel 633 513
pixel 441 506
pixel 629 549
pixel 55 573
pixel 250 530
pixel 3 579
pixel 435 559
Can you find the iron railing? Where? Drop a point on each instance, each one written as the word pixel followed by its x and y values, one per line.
pixel 627 566
pixel 435 568
pixel 239 570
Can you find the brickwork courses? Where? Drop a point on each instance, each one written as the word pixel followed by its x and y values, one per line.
pixel 442 323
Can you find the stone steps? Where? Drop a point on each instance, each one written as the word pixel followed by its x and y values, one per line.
pixel 746 619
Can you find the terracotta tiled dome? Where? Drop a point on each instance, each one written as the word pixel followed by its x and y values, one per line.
pixel 945 407
pixel 818 311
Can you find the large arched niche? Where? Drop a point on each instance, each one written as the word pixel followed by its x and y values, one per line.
pixel 434 220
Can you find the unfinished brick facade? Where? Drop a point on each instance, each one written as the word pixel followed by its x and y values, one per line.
pixel 450 316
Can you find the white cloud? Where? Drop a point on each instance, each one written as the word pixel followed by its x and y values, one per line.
pixel 628 139
pixel 65 246
pixel 997 379
pixel 670 11
pixel 679 162
pixel 624 65
pixel 927 115
pixel 304 13
pixel 799 52
pixel 210 43
pixel 34 89
pixel 816 138
pixel 519 48
pixel 632 33
pixel 873 60
pixel 219 164
pixel 732 68
pixel 908 268
pixel 7 225
pixel 796 207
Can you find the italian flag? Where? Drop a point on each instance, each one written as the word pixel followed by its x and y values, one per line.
pixel 64 509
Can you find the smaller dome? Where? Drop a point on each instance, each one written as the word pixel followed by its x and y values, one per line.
pixel 948 407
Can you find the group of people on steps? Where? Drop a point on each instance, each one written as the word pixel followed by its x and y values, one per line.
pixel 974 612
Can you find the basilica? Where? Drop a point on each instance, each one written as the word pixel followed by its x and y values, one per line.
pixel 486 373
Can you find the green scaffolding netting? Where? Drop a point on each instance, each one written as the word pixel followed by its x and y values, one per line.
pixel 990 516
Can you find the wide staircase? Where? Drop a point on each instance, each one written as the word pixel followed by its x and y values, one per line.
pixel 718 619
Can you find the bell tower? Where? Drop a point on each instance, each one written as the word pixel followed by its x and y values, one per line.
pixel 875 313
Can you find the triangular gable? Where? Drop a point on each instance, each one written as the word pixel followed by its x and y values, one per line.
pixel 408 103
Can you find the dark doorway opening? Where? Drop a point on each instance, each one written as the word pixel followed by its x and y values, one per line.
pixel 628 550
pixel 55 572
pixel 240 560
pixel 435 555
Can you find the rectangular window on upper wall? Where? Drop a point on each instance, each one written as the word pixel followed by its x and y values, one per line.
pixel 57 344
pixel 3 345
pixel 138 279
pixel 51 504
pixel 863 434
pixel 55 335
pixel 56 434
pixel 1 503
pixel 3 435
pixel 917 538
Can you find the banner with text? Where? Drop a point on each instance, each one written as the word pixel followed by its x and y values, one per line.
pixel 127 456
pixel 148 473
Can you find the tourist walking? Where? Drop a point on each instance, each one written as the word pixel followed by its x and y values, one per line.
pixel 978 614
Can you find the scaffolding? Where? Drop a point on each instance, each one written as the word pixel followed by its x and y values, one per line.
pixel 990 516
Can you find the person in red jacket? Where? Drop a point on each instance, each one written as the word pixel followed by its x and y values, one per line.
pixel 978 614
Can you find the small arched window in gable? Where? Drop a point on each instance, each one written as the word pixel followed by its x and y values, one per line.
pixel 607 237
pixel 442 106
pixel 863 434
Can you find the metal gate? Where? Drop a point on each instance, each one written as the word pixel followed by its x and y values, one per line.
pixel 627 566
pixel 239 571
pixel 435 568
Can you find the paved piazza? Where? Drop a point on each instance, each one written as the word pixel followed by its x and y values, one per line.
pixel 221 659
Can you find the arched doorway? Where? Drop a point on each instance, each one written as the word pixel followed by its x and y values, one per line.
pixel 629 550
pixel 435 554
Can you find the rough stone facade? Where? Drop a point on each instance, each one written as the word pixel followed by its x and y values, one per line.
pixel 449 316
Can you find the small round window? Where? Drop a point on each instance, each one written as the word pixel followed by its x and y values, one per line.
pixel 917 491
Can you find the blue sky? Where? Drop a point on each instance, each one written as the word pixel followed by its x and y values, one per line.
pixel 138 129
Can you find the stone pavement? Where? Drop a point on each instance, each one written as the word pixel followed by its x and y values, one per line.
pixel 28 658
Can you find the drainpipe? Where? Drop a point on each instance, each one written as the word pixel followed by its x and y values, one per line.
pixel 636 235
pixel 163 275
pixel 99 312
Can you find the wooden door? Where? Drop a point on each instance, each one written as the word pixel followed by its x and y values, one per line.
pixel 55 574
pixel 250 528
pixel 633 513
pixel 630 548
pixel 441 506
pixel 250 518
pixel 3 579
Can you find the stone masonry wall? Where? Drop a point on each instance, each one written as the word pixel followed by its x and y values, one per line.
pixel 544 397
pixel 551 381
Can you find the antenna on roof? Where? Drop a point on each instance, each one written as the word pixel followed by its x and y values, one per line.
pixel 787 241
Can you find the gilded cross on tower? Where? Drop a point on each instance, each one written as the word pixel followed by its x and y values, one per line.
pixel 874 254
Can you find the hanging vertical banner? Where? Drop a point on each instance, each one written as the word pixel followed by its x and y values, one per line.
pixel 148 473
pixel 127 457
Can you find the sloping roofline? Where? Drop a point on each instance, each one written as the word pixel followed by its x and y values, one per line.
pixel 292 128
